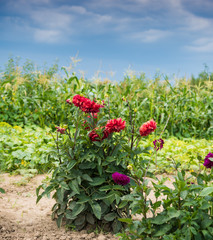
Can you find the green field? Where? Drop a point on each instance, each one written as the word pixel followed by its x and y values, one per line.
pixel 34 102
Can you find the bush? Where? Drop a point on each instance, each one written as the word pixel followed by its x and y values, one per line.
pixel 186 210
pixel 29 148
pixel 89 152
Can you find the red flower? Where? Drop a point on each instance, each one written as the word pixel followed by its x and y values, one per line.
pixel 115 125
pixel 86 105
pixel 68 101
pixel 94 115
pixel 94 136
pixel 148 127
pixel 78 100
pixel 106 134
pixel 61 130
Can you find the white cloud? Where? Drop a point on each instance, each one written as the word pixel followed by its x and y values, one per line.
pixel 151 35
pixel 51 19
pixel 48 36
pixel 201 45
pixel 141 20
pixel 195 23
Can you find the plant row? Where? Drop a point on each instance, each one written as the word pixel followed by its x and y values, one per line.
pixel 32 147
pixel 29 96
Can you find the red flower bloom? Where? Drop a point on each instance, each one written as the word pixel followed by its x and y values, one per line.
pixel 106 134
pixel 78 100
pixel 86 105
pixel 148 127
pixel 68 101
pixel 115 125
pixel 94 115
pixel 94 136
pixel 61 130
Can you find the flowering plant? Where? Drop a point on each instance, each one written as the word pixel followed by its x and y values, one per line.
pixel 182 212
pixel 95 151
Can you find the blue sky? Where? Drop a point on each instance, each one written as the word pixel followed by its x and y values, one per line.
pixel 110 37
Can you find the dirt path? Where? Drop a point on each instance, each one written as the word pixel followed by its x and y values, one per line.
pixel 22 219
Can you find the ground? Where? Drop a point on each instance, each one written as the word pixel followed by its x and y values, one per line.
pixel 22 219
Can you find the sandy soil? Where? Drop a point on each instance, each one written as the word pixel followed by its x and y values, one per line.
pixel 21 218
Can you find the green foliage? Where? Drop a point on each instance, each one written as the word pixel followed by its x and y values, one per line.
pixel 37 145
pixel 182 212
pixel 187 153
pixel 85 193
pixel 28 148
pixel 29 96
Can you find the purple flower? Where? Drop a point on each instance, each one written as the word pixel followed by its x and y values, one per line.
pixel 208 161
pixel 120 179
pixel 158 144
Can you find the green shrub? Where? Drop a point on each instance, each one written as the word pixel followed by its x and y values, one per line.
pixel 183 212
pixel 28 148
pixel 84 191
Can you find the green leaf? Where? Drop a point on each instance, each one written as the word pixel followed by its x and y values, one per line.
pixel 71 165
pixel 116 226
pixel 72 205
pixel 206 223
pixel 69 215
pixel 59 220
pixel 180 176
pixel 198 236
pixel 123 204
pixel 38 198
pixel 97 181
pixel 156 205
pixel 87 165
pixel 90 219
pixel 98 196
pixel 96 209
pixel 163 229
pixel 118 187
pixel 206 191
pixel 64 185
pixel 83 198
pixel 183 194
pixel 87 177
pixel 105 188
pixel 110 159
pixel 173 213
pixel 206 234
pixel 160 219
pixel 78 209
pixel 205 205
pixel 60 195
pixel 80 220
pixel 98 144
pixel 110 217
pixel 126 220
pixel 74 186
